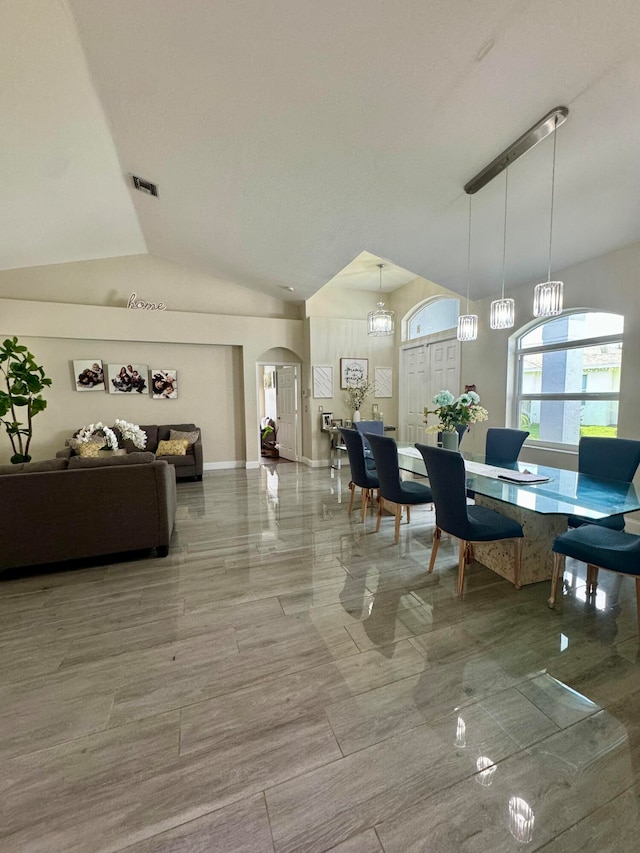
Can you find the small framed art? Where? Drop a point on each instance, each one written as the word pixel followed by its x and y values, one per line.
pixel 125 378
pixel 164 383
pixel 383 382
pixel 88 375
pixel 353 371
pixel 322 381
pixel 326 420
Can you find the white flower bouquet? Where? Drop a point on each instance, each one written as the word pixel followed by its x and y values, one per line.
pixel 132 432
pixel 95 432
pixel 92 434
pixel 357 393
pixel 454 411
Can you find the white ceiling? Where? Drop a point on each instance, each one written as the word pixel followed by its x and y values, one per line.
pixel 289 137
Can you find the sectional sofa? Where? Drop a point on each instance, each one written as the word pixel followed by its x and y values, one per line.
pixel 65 509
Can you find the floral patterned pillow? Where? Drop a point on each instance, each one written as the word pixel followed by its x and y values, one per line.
pixel 177 447
pixel 90 448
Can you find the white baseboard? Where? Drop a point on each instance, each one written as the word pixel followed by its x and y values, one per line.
pixel 314 463
pixel 249 465
pixel 217 466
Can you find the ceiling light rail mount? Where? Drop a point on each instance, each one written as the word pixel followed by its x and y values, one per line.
pixel 524 143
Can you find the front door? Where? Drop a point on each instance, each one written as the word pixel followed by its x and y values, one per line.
pixel 425 370
pixel 287 406
pixel 415 380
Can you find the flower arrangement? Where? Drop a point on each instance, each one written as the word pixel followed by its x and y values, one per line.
pixel 453 411
pixel 357 392
pixel 95 432
pixel 132 432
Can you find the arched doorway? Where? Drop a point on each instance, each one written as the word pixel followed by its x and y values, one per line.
pixel 278 391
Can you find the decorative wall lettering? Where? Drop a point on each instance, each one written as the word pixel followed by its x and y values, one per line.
pixel 134 302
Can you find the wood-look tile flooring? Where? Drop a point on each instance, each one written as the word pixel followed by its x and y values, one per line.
pixel 288 680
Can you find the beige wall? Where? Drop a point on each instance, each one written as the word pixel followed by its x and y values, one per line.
pixel 110 282
pixel 330 340
pixel 225 404
pixel 206 375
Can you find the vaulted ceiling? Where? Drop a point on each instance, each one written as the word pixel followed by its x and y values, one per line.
pixel 288 137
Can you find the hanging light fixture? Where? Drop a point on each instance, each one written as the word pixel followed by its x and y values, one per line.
pixel 502 315
pixel 468 323
pixel 380 321
pixel 548 296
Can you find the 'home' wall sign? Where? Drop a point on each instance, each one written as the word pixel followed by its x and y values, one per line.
pixel 134 302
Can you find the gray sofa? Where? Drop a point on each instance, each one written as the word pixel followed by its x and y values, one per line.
pixel 68 509
pixel 185 466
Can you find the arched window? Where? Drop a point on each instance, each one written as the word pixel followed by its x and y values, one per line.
pixel 568 377
pixel 436 315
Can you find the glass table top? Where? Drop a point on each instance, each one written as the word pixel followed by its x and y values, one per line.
pixel 565 492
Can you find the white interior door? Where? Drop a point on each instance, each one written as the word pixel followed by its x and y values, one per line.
pixel 287 404
pixel 444 368
pixel 414 379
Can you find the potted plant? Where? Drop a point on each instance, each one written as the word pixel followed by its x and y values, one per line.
pixel 357 392
pixel 24 381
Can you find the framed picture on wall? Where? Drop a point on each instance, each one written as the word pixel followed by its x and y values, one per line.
pixel 88 375
pixel 353 371
pixel 322 381
pixel 127 378
pixel 383 382
pixel 164 383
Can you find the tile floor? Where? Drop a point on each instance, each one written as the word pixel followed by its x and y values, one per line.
pixel 288 680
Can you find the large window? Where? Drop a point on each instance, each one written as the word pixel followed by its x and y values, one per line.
pixel 436 315
pixel 568 375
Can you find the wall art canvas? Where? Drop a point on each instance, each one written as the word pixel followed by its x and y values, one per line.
pixel 164 383
pixel 322 381
pixel 127 378
pixel 88 374
pixel 383 382
pixel 353 371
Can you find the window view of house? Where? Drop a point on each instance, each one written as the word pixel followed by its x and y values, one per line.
pixel 569 377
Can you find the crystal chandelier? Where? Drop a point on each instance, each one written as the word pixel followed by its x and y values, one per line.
pixel 380 321
pixel 547 296
pixel 502 314
pixel 468 323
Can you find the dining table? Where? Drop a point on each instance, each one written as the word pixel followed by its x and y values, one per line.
pixel 541 505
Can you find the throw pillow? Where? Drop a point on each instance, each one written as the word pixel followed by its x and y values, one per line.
pixel 192 437
pixel 177 447
pixel 89 448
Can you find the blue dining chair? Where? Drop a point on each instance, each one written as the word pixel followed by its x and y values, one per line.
pixel 363 427
pixel 613 459
pixel 503 445
pixel 599 548
pixel 401 493
pixel 469 524
pixel 361 476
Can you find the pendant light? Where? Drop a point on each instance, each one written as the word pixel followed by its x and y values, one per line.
pixel 380 321
pixel 468 323
pixel 548 296
pixel 502 315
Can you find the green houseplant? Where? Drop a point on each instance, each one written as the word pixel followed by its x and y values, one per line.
pixel 24 380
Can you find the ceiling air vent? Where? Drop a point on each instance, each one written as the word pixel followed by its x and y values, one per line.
pixel 145 186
